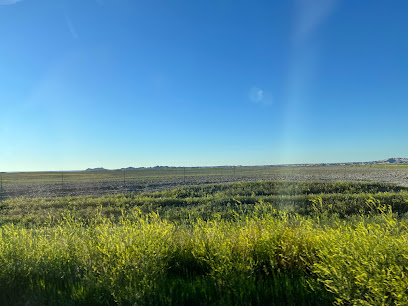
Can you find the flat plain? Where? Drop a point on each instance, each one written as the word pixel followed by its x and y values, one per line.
pixel 316 235
pixel 242 243
pixel 46 184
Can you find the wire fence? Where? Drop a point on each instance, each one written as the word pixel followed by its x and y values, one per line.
pixel 45 184
pixel 95 183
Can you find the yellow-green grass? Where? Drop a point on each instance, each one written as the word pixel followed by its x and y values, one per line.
pixel 269 257
pixel 186 204
pixel 242 253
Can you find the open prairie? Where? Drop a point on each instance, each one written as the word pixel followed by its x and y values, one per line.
pixel 243 243
pixel 282 235
pixel 45 184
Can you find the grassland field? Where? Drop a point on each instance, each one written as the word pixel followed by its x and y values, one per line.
pixel 293 241
pixel 46 184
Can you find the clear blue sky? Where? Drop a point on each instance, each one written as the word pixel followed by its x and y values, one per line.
pixel 117 83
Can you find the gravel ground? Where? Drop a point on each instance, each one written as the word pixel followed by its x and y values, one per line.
pixel 398 176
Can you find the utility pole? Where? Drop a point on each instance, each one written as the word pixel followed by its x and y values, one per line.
pixel 124 176
pixel 184 175
pixel 62 180
pixel 1 188
pixel 234 170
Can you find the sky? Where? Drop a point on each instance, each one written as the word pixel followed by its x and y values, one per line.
pixel 119 83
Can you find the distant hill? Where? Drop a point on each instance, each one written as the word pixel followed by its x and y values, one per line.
pixel 129 168
pixel 396 161
pixel 389 161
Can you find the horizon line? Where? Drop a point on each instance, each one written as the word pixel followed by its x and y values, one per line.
pixel 213 166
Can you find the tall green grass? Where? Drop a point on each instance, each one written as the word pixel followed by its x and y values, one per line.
pixel 183 205
pixel 238 254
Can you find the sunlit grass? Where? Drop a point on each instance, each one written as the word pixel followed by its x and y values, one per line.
pixel 240 253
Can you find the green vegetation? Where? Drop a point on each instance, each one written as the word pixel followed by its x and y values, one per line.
pixel 184 205
pixel 282 243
